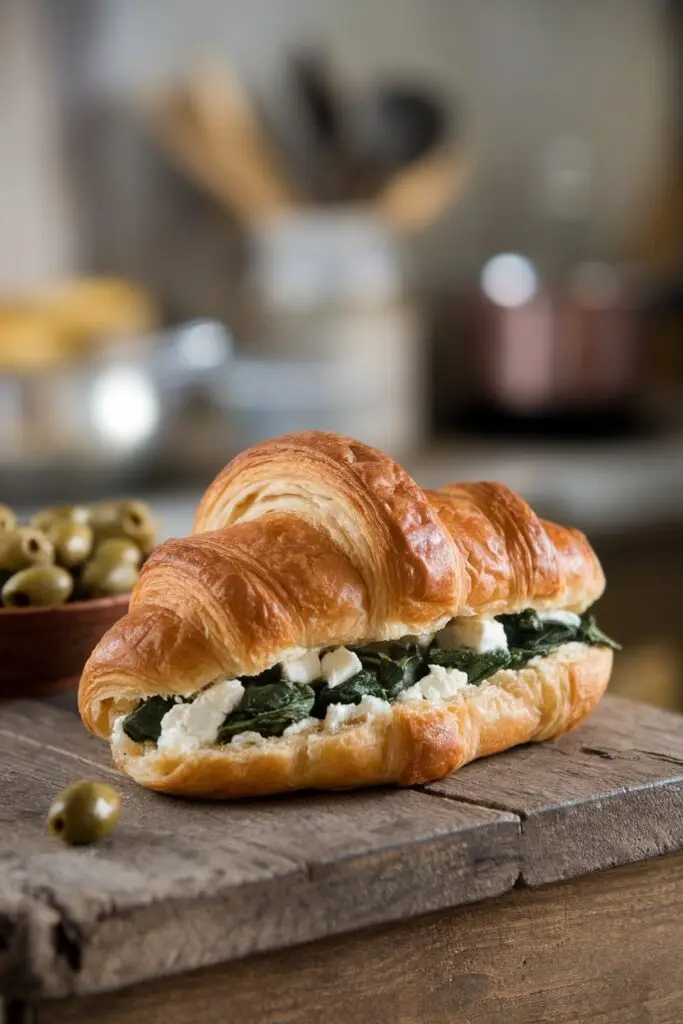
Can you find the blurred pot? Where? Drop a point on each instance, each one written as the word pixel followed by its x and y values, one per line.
pixel 571 356
pixel 137 410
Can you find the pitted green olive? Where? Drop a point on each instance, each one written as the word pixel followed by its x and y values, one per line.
pixel 38 586
pixel 23 547
pixel 8 520
pixel 84 813
pixel 72 542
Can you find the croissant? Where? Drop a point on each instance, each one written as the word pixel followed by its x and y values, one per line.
pixel 315 543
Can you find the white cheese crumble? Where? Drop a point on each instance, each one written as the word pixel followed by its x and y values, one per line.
pixel 340 665
pixel 189 726
pixel 246 739
pixel 118 736
pixel 302 726
pixel 481 635
pixel 440 684
pixel 425 639
pixel 565 618
pixel 369 707
pixel 304 669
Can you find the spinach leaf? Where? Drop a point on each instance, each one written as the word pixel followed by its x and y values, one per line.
pixel 351 692
pixel 590 633
pixel 477 667
pixel 397 665
pixel 145 722
pixel 268 709
pixel 269 675
pixel 529 632
pixel 396 676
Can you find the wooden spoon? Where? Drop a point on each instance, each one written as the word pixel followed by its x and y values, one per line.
pixel 415 197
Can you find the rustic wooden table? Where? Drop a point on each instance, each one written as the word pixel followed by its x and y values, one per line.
pixel 529 887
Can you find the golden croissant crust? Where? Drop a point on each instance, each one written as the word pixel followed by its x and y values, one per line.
pixel 314 540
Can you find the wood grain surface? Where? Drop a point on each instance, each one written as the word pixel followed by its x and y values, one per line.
pixel 609 793
pixel 604 949
pixel 182 885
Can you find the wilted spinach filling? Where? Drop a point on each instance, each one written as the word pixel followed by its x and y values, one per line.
pixel 270 704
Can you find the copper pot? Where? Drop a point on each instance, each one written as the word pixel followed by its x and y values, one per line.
pixel 556 354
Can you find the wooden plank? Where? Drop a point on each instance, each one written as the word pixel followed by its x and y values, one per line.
pixel 181 884
pixel 609 793
pixel 604 949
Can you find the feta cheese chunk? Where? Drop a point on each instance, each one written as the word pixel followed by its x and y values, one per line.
pixel 440 684
pixel 190 726
pixel 565 618
pixel 118 736
pixel 425 639
pixel 302 726
pixel 304 669
pixel 481 635
pixel 413 692
pixel 340 665
pixel 246 739
pixel 369 707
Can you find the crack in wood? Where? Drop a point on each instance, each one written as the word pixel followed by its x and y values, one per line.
pixel 489 805
pixel 607 755
pixel 659 756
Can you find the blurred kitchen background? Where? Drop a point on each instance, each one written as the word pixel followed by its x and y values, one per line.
pixel 452 228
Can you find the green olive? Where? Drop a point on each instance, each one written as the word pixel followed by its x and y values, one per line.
pixel 72 542
pixel 118 549
pixel 104 578
pixel 84 813
pixel 47 517
pixel 130 519
pixel 8 520
pixel 23 547
pixel 38 586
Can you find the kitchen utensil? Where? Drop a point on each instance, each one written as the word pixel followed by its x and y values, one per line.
pixel 210 128
pixel 416 196
pixel 326 108
pixel 43 650
pixel 401 125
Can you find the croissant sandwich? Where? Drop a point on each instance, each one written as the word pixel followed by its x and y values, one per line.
pixel 330 625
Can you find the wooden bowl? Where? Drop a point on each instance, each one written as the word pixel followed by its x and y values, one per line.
pixel 43 650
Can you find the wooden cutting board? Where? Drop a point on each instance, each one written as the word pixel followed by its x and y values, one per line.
pixel 334 889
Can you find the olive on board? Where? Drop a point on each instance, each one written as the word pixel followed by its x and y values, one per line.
pixel 39 586
pixel 47 517
pixel 23 547
pixel 8 520
pixel 72 542
pixel 84 812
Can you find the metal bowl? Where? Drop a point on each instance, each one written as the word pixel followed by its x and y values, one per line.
pixel 139 409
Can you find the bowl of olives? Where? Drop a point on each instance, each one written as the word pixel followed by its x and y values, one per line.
pixel 65 578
